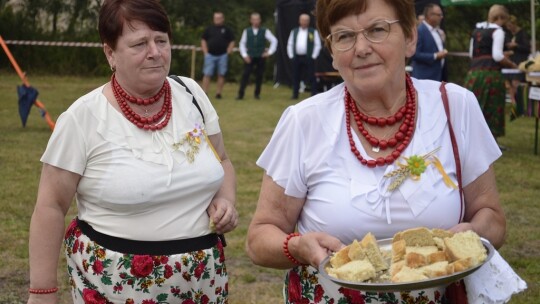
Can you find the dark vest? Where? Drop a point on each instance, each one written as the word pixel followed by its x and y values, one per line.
pixel 310 41
pixel 256 43
pixel 482 45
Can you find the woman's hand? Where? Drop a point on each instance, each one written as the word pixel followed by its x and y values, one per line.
pixel 461 227
pixel 311 248
pixel 223 215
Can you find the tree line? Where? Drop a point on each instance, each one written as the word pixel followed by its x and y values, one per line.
pixel 76 20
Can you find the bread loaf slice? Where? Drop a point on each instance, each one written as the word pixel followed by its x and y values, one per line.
pixel 373 253
pixel 461 265
pixel 423 250
pixel 415 260
pixel 398 250
pixel 439 242
pixel 396 267
pixel 354 271
pixel 407 274
pixel 435 257
pixel 465 245
pixel 356 252
pixel 420 236
pixel 340 258
pixel 441 233
pixel 435 270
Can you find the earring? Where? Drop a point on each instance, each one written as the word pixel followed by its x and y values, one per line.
pixel 113 68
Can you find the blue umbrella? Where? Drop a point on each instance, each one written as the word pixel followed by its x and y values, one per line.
pixel 27 97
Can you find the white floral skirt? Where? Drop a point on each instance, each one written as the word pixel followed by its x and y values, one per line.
pixel 99 275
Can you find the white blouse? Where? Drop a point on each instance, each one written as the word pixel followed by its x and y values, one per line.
pixel 309 156
pixel 134 183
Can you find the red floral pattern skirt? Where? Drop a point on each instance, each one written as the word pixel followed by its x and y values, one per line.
pixel 98 275
pixel 304 285
pixel 488 87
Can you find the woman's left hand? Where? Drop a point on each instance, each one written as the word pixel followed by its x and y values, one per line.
pixel 223 215
pixel 461 227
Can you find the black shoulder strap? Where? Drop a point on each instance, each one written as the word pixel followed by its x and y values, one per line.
pixel 194 101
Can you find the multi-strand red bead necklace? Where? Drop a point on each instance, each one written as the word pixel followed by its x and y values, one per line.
pixel 147 123
pixel 399 141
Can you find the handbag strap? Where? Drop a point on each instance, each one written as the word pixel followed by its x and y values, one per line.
pixel 193 100
pixel 454 146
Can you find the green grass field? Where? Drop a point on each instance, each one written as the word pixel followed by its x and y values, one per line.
pixel 247 126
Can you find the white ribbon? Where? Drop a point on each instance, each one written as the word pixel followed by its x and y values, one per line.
pixel 379 197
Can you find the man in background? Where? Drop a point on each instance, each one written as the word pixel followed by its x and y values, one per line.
pixel 254 52
pixel 428 61
pixel 217 43
pixel 303 48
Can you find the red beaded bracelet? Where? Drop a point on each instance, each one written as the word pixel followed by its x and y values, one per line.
pixel 286 248
pixel 42 291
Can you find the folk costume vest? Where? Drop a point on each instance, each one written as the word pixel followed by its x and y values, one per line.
pixel 310 41
pixel 482 45
pixel 256 43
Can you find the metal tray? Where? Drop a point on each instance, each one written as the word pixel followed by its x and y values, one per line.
pixel 386 244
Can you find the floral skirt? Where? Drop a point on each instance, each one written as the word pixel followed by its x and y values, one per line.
pixel 488 87
pixel 100 275
pixel 304 285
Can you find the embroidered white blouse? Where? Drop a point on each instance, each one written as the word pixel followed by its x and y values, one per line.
pixel 309 156
pixel 134 183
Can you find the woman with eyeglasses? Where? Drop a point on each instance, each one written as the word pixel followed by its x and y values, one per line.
pixel 329 166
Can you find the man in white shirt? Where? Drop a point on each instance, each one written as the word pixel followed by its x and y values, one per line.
pixel 428 61
pixel 303 47
pixel 254 52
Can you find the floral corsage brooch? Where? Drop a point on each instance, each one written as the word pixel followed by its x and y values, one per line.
pixel 192 141
pixel 413 167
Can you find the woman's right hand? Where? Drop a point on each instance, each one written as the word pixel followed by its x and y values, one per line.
pixel 311 248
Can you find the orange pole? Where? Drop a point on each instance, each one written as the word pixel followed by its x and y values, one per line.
pixel 39 104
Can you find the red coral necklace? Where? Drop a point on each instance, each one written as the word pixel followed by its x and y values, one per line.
pixel 147 123
pixel 399 141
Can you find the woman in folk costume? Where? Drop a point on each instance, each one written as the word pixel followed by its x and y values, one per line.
pixel 332 167
pixel 144 157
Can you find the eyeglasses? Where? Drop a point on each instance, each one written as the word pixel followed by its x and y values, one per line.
pixel 344 40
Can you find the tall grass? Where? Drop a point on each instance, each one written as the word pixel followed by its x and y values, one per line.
pixel 247 126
